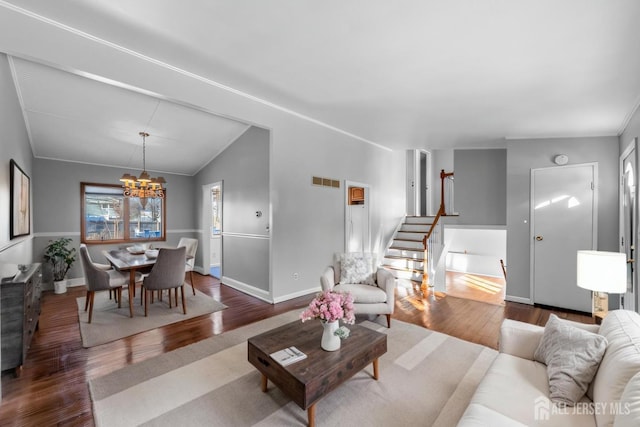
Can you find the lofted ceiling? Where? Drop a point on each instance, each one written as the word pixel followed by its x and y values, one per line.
pixel 75 118
pixel 405 74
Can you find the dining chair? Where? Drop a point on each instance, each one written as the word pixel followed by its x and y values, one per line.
pixel 101 267
pixel 192 248
pixel 97 279
pixel 167 273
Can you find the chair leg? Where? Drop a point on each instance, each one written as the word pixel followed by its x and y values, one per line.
pixel 119 293
pixel 176 292
pixel 191 281
pixel 184 304
pixel 92 293
pixel 170 300
pixel 146 301
pixel 86 302
pixel 388 320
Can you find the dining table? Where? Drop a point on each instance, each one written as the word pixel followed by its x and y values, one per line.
pixel 125 260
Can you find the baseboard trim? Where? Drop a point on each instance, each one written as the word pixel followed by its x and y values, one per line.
pixel 297 294
pixel 247 289
pixel 521 300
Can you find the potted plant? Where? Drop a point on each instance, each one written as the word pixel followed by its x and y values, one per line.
pixel 61 257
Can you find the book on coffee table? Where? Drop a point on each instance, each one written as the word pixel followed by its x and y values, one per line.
pixel 288 355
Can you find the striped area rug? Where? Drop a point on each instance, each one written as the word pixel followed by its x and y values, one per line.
pixel 426 378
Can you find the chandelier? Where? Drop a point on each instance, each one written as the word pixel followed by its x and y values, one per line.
pixel 144 187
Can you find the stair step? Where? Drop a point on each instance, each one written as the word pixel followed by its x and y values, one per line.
pixel 400 274
pixel 406 248
pixel 404 262
pixel 406 258
pixel 419 219
pixel 410 244
pixel 410 235
pixel 415 228
pixel 402 269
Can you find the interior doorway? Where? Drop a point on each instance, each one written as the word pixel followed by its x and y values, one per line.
pixel 628 222
pixel 419 192
pixel 357 217
pixel 213 224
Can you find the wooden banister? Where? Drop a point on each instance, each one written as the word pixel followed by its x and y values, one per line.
pixel 424 286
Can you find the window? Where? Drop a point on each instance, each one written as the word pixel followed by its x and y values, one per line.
pixel 109 217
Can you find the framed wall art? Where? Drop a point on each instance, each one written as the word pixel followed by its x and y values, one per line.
pixel 20 216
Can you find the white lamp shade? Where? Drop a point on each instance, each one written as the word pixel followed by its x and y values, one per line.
pixel 602 271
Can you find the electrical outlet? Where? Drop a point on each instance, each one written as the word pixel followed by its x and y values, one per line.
pixel 295 276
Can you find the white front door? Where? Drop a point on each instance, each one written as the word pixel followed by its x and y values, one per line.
pixel 628 223
pixel 563 221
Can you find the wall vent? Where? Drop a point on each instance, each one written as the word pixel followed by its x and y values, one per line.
pixel 325 182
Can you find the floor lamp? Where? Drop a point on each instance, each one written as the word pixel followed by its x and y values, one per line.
pixel 603 273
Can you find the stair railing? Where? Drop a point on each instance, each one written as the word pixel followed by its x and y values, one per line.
pixel 424 286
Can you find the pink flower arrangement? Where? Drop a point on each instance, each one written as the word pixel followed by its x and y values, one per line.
pixel 330 306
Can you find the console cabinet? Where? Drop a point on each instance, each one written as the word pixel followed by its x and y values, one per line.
pixel 20 310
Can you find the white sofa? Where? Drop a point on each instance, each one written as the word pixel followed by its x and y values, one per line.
pixel 515 390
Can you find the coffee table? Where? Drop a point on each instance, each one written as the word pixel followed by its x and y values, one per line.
pixel 310 379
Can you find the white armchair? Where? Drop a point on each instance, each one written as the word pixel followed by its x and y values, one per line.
pixel 375 297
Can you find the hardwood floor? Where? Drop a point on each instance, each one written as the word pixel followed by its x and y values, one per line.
pixel 476 287
pixel 52 388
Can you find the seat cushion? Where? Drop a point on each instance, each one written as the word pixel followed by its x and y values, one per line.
pixel 363 294
pixel 480 416
pixel 518 389
pixel 117 279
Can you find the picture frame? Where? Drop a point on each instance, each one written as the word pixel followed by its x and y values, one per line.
pixel 20 202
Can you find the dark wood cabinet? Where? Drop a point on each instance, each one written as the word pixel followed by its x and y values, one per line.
pixel 356 195
pixel 20 309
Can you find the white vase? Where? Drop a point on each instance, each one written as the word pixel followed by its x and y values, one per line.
pixel 330 341
pixel 60 287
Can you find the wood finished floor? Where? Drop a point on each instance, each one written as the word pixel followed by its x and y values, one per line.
pixel 52 388
pixel 476 287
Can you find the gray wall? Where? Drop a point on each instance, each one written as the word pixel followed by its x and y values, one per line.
pixel 56 213
pixel 524 155
pixel 244 169
pixel 14 144
pixel 480 186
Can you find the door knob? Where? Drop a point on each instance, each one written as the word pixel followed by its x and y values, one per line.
pixel 539 238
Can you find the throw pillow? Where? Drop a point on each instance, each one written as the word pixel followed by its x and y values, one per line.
pixel 356 268
pixel 572 356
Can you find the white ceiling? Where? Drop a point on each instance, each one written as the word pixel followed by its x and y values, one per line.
pixel 74 118
pixel 403 74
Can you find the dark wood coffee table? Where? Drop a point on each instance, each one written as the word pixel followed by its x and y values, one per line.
pixel 308 380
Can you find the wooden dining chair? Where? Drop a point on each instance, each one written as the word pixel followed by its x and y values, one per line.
pixel 167 273
pixel 98 279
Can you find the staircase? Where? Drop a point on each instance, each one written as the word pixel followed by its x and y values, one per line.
pixel 405 256
pixel 419 237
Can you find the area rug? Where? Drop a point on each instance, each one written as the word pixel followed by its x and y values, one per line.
pixel 110 323
pixel 426 378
